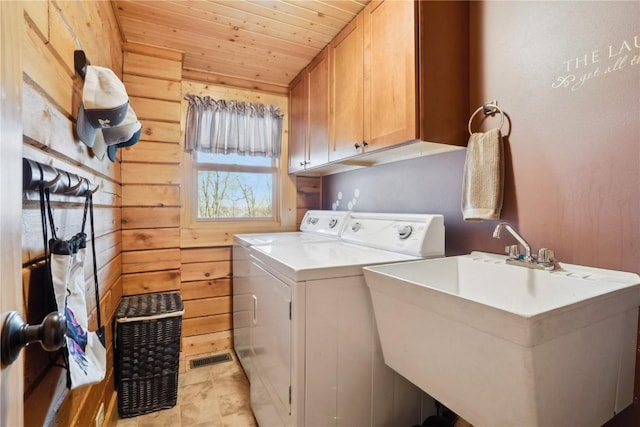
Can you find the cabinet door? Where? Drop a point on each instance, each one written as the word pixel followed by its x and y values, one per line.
pixel 318 140
pixel 298 122
pixel 389 73
pixel 346 91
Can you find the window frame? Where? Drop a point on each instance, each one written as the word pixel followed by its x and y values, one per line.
pixel 195 233
pixel 224 167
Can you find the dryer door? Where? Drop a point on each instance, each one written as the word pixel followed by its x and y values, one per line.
pixel 271 344
pixel 242 307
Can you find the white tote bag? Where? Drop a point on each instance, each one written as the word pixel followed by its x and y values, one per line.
pixel 85 352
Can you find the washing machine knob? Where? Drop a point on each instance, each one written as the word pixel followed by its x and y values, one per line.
pixel 355 227
pixel 405 232
pixel 333 222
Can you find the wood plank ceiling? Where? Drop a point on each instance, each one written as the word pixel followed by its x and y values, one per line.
pixel 261 43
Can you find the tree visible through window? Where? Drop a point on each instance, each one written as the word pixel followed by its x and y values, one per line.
pixel 232 186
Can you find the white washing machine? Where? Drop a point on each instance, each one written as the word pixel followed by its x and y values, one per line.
pixel 316 226
pixel 317 360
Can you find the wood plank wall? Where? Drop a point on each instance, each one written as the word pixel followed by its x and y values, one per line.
pixel 152 170
pixel 138 206
pixel 151 173
pixel 206 254
pixel 51 94
pixel 206 291
pixel 153 200
pixel 308 196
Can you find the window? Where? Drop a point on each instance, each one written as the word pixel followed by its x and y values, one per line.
pixel 233 179
pixel 234 187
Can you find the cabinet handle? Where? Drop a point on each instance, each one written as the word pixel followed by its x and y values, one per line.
pixel 255 309
pixel 365 144
pixel 304 163
pixel 356 145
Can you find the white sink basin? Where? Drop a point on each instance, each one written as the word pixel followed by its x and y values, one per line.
pixel 506 345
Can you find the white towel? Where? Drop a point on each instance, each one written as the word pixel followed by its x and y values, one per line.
pixel 482 182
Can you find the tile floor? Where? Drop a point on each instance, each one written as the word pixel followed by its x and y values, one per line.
pixel 209 396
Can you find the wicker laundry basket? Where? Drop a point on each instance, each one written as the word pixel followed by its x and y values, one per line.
pixel 147 352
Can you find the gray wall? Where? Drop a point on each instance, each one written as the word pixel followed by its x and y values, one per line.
pixel 572 163
pixel 567 75
pixel 424 185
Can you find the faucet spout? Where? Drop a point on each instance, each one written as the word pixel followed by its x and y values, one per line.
pixel 518 237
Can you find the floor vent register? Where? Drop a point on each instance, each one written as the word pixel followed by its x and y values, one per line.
pixel 210 360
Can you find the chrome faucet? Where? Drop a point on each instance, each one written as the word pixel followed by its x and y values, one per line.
pixel 519 238
pixel 544 260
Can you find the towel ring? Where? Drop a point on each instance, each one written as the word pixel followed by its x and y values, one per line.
pixel 488 110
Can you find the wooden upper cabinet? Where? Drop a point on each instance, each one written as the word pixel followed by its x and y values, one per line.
pixel 298 122
pixel 347 75
pixel 443 71
pixel 398 75
pixel 309 116
pixel 318 133
pixel 390 29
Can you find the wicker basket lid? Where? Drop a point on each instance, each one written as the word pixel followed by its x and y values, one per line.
pixel 149 306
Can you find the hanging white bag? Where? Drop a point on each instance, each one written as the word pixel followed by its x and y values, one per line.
pixel 85 351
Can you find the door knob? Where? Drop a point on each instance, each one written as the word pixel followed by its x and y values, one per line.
pixel 17 334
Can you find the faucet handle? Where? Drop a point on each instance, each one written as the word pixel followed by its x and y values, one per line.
pixel 545 255
pixel 513 251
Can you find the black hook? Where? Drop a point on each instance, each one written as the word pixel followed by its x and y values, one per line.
pixel 34 173
pixel 82 188
pixel 80 62
pixel 79 188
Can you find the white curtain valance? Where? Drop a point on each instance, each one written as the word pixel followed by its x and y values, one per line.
pixel 232 127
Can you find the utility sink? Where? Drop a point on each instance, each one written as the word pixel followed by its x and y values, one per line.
pixel 506 345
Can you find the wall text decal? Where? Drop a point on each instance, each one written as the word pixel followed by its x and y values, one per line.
pixel 597 63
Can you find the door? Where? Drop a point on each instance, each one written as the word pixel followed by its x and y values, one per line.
pixel 11 377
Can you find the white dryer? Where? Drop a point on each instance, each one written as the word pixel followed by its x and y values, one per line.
pixel 317 357
pixel 316 225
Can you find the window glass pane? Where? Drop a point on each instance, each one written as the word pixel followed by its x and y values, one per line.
pixel 235 195
pixel 233 159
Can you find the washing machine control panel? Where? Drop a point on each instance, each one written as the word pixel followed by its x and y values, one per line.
pixel 324 222
pixel 413 234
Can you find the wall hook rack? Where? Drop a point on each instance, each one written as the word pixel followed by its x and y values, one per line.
pixel 56 180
